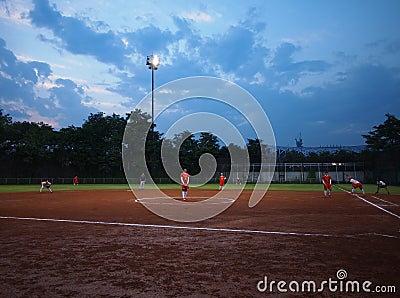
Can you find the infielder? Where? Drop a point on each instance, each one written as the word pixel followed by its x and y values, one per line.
pixel 142 179
pixel 356 184
pixel 327 181
pixel 46 184
pixel 380 184
pixel 222 179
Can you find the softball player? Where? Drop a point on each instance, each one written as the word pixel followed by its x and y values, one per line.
pixel 185 183
pixel 222 179
pixel 380 184
pixel 142 179
pixel 327 181
pixel 356 184
pixel 46 184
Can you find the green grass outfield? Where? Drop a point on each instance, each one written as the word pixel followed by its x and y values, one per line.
pixel 369 188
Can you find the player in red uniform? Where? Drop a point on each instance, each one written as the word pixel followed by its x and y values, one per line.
pixel 185 183
pixel 356 184
pixel 327 181
pixel 222 179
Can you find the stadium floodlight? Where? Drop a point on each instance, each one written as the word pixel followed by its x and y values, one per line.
pixel 153 61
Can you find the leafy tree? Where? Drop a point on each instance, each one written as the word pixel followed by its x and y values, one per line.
pixel 33 146
pixel 137 125
pixel 153 152
pixel 325 156
pixel 294 156
pixel 188 151
pixel 99 144
pixel 254 149
pixel 384 136
pixel 67 150
pixel 208 143
pixel 5 132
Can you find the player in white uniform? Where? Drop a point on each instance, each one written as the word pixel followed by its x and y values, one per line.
pixel 46 184
pixel 380 184
pixel 356 184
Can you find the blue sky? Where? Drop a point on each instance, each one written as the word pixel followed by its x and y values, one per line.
pixel 327 69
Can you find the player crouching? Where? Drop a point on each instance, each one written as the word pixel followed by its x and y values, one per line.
pixel 356 184
pixel 380 184
pixel 46 184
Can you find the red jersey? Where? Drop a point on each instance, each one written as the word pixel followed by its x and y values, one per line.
pixel 326 180
pixel 222 180
pixel 185 178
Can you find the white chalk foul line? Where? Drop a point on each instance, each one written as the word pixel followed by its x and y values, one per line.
pixel 392 204
pixel 178 200
pixel 368 202
pixel 195 228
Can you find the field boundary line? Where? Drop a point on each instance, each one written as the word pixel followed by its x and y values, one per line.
pixel 392 204
pixel 228 230
pixel 368 202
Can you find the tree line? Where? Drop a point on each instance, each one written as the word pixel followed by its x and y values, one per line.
pixel 30 149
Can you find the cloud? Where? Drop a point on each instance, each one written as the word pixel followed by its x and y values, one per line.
pixel 283 61
pixel 77 37
pixel 149 39
pixel 392 47
pixel 198 16
pixel 349 107
pixel 231 49
pixel 339 88
pixel 20 81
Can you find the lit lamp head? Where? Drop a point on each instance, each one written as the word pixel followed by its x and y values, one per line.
pixel 153 62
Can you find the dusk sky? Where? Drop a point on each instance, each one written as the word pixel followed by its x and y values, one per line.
pixel 327 69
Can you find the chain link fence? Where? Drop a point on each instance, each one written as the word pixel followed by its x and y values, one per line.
pixel 283 173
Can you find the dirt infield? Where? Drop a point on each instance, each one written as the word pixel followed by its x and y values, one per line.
pixel 103 244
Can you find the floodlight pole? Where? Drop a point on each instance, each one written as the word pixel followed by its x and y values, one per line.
pixel 152 96
pixel 152 62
